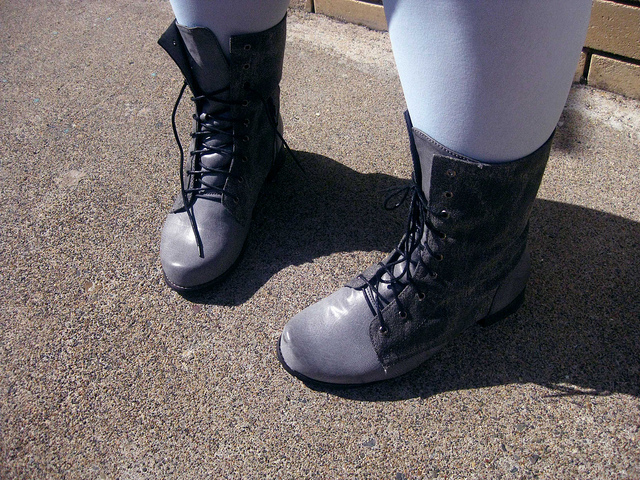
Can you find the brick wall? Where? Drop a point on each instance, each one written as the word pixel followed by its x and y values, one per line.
pixel 610 59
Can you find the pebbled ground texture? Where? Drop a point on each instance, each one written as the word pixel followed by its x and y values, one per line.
pixel 107 373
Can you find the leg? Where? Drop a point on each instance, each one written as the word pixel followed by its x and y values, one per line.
pixel 234 73
pixel 464 258
pixel 488 78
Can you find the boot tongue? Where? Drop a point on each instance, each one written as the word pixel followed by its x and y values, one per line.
pixel 210 71
pixel 400 274
pixel 208 63
pixel 221 147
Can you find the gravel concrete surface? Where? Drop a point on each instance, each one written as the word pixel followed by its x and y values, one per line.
pixel 107 373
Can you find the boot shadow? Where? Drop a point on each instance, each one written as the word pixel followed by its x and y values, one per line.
pixel 302 216
pixel 577 333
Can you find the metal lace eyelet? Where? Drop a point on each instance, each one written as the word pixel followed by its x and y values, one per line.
pixel 434 275
pixel 444 214
pixel 451 173
pixel 247 47
pixel 240 180
pixel 244 159
pixel 245 138
pixel 246 122
pixel 383 330
pixel 421 296
pixel 442 235
pixel 245 103
pixel 402 315
pixel 439 257
pixel 246 66
pixel 448 194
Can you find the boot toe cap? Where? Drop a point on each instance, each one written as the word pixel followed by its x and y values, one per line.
pixel 329 342
pixel 183 267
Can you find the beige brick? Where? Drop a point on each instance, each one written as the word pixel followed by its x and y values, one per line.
pixel 615 76
pixel 615 28
pixel 354 11
pixel 302 5
pixel 580 69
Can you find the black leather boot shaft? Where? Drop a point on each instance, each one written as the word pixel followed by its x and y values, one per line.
pixel 478 215
pixel 252 74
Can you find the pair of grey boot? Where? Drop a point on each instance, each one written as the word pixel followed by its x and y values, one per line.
pixel 462 260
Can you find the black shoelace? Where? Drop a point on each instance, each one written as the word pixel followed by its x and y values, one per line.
pixel 219 124
pixel 409 250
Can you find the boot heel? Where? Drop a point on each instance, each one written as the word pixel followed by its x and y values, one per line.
pixel 278 162
pixel 504 313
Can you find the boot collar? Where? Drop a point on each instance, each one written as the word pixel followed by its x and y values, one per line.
pixel 197 53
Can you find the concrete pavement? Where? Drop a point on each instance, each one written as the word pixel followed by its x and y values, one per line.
pixel 106 373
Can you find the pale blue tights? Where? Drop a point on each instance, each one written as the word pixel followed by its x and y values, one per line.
pixel 486 78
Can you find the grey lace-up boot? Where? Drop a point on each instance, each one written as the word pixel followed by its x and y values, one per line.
pixel 463 260
pixel 236 143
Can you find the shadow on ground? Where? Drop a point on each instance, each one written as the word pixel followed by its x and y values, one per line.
pixel 306 215
pixel 577 333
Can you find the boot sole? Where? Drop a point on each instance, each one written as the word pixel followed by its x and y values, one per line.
pixel 485 322
pixel 504 313
pixel 278 162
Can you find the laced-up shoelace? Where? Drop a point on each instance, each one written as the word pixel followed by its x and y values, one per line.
pixel 208 125
pixel 418 222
